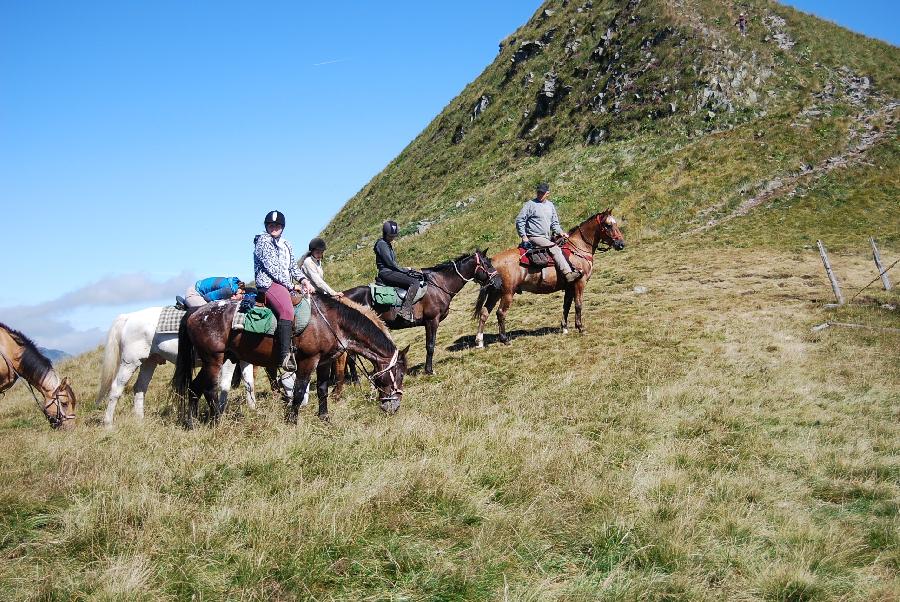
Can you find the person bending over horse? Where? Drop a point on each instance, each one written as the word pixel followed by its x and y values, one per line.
pixel 276 270
pixel 537 222
pixel 216 288
pixel 311 264
pixel 389 272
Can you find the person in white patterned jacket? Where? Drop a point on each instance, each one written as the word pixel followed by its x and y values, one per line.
pixel 276 271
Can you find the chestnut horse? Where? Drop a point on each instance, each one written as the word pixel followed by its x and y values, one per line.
pixel 583 242
pixel 444 280
pixel 19 358
pixel 334 327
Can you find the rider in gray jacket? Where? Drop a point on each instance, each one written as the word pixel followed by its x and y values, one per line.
pixel 537 222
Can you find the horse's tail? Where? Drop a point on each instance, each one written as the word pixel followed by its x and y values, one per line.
pixel 184 363
pixel 479 304
pixel 112 355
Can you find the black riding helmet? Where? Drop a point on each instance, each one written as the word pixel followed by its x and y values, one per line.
pixel 389 228
pixel 274 217
pixel 316 244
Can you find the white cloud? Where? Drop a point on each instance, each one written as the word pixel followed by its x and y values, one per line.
pixel 46 324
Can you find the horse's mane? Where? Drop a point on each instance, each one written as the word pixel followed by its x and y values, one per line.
pixel 449 263
pixel 33 363
pixel 586 220
pixel 368 312
pixel 365 321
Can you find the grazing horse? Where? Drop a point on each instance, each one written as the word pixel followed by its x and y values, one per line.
pixel 444 282
pixel 133 342
pixel 19 358
pixel 334 327
pixel 583 242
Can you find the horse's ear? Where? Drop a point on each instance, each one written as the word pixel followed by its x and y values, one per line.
pixel 404 351
pixel 63 382
pixel 485 252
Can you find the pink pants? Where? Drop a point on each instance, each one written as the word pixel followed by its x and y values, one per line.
pixel 278 299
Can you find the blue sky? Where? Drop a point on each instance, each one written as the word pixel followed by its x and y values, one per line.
pixel 142 142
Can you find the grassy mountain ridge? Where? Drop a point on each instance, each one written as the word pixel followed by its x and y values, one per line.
pixel 700 442
pixel 734 128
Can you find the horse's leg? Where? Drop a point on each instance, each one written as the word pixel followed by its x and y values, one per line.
pixel 322 373
pixel 225 382
pixel 247 371
pixel 123 375
pixel 567 305
pixel 141 385
pixel 193 402
pixel 490 302
pixel 338 368
pixel 301 387
pixel 351 363
pixel 211 392
pixel 505 302
pixel 431 327
pixel 579 295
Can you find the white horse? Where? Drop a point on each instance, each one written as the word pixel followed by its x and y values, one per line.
pixel 133 342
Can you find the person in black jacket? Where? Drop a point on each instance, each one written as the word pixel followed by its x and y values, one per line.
pixel 389 272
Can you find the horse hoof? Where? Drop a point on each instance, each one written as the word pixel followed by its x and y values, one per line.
pixel 429 372
pixel 565 331
pixel 326 417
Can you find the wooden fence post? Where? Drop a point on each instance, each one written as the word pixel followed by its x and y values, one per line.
pixel 877 256
pixel 834 283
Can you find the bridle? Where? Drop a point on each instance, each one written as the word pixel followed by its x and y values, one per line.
pixel 479 265
pixel 594 243
pixel 395 392
pixel 61 416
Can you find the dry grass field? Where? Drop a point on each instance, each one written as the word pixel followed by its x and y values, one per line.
pixel 699 442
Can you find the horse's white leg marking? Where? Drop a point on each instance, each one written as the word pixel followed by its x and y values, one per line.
pixel 225 375
pixel 123 375
pixel 141 385
pixel 479 340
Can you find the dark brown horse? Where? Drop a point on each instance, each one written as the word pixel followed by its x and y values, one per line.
pixel 444 282
pixel 583 242
pixel 19 358
pixel 334 327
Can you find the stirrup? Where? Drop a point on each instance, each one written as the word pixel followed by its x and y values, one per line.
pixel 289 364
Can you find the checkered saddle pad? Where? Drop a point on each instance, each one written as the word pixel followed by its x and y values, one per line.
pixel 169 319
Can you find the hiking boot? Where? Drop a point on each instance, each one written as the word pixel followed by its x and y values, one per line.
pixel 406 310
pixel 573 275
pixel 283 333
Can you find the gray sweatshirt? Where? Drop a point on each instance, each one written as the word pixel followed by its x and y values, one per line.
pixel 538 219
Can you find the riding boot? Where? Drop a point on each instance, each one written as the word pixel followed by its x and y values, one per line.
pixel 283 335
pixel 406 310
pixel 574 275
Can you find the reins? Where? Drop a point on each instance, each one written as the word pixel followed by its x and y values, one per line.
pixel 61 416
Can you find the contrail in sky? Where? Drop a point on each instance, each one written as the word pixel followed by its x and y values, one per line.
pixel 330 62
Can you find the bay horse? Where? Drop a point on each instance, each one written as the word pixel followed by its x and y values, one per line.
pixel 583 243
pixel 132 343
pixel 335 327
pixel 21 359
pixel 444 280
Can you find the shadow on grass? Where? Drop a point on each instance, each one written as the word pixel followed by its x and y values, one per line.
pixel 468 341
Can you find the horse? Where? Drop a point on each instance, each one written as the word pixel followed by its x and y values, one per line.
pixel 133 342
pixel 21 359
pixel 335 326
pixel 444 280
pixel 583 243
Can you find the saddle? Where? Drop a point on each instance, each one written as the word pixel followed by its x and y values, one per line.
pixel 261 320
pixel 539 258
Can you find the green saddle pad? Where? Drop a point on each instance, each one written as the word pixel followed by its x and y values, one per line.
pixel 387 295
pixel 260 320
pixel 302 314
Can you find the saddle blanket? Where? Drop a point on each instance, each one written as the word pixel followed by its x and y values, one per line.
pixel 261 320
pixel 394 296
pixel 169 319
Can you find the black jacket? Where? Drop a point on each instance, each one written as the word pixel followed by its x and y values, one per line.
pixel 385 258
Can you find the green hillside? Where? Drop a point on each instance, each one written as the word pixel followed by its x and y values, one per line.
pixel 700 442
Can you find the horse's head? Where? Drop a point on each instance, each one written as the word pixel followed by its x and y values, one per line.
pixel 389 382
pixel 484 270
pixel 608 230
pixel 60 408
